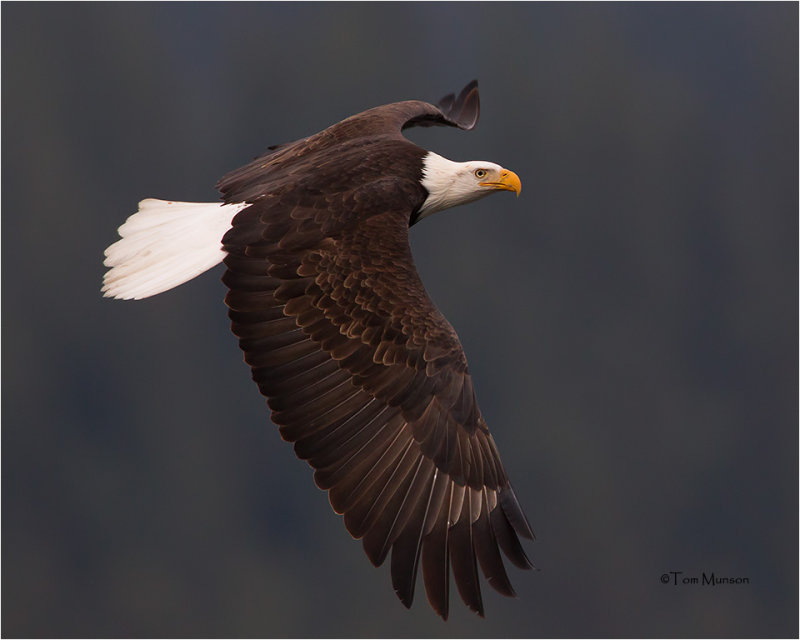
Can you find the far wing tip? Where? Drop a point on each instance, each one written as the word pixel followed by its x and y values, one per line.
pixel 464 110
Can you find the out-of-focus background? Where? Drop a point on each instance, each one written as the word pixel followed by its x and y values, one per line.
pixel 631 320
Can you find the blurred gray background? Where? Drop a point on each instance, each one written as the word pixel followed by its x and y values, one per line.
pixel 631 320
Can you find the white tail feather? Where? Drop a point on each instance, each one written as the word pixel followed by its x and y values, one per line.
pixel 165 244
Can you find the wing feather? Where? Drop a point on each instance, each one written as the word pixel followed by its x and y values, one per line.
pixel 436 555
pixel 489 558
pixel 408 545
pixel 462 558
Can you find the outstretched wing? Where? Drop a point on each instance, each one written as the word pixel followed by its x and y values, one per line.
pixel 329 148
pixel 369 381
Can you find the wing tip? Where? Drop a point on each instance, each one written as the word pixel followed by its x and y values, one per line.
pixel 404 599
pixel 516 516
pixel 464 110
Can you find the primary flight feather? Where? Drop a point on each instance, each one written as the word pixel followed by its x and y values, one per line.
pixel 361 371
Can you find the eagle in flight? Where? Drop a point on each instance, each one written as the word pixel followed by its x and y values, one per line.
pixel 362 372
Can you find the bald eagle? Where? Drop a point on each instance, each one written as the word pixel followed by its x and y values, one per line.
pixel 362 372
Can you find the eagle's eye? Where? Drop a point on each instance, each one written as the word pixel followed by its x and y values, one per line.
pixel 480 173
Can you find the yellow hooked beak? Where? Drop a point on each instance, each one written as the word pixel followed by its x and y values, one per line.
pixel 509 181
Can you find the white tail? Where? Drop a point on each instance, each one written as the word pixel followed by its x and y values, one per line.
pixel 165 244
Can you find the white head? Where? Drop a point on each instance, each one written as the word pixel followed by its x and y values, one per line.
pixel 452 183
